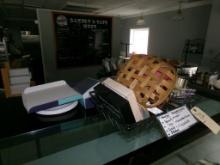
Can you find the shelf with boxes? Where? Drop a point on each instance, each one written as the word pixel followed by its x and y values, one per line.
pixel 3 52
pixel 15 80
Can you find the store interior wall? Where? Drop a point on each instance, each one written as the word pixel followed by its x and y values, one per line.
pixel 167 37
pixel 47 38
pixel 211 58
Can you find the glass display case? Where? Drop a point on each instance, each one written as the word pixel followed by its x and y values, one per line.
pixel 85 136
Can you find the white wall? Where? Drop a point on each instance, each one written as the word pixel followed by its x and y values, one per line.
pixel 167 36
pixel 211 58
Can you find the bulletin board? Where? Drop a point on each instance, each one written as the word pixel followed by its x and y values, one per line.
pixel 81 40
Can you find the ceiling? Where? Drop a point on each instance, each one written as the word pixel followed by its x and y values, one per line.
pixel 25 9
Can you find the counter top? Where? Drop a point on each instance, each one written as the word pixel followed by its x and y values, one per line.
pixel 205 91
pixel 149 139
pixel 17 125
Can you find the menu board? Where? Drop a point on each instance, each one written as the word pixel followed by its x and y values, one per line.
pixel 81 40
pixel 176 121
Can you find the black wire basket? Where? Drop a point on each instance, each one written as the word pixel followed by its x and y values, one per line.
pixel 114 115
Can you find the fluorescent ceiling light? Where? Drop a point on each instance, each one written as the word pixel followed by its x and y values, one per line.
pixel 80 7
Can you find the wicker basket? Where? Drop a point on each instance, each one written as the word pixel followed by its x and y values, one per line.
pixel 151 78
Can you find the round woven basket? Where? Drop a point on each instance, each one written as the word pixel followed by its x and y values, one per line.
pixel 151 78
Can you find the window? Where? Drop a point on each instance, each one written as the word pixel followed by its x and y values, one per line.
pixel 139 40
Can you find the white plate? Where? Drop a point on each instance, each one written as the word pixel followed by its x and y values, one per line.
pixel 59 109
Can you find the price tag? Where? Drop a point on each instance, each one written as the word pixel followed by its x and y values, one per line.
pixel 176 121
pixel 206 120
pixel 155 110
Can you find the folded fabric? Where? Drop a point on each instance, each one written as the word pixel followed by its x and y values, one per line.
pixel 49 95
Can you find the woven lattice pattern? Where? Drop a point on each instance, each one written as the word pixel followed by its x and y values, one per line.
pixel 151 78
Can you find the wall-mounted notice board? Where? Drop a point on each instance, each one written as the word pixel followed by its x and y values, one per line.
pixel 81 40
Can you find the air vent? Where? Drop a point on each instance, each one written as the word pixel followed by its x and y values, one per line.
pixel 80 7
pixel 33 3
pixel 190 1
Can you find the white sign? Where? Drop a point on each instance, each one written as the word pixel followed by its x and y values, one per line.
pixel 206 120
pixel 176 121
pixel 155 110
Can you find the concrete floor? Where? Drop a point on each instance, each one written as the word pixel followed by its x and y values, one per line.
pixel 206 148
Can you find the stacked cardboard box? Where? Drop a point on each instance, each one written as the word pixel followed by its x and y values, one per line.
pixel 3 53
pixel 19 80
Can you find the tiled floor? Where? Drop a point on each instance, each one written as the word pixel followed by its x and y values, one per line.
pixel 207 147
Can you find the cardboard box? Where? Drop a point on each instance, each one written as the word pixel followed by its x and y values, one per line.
pixel 84 87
